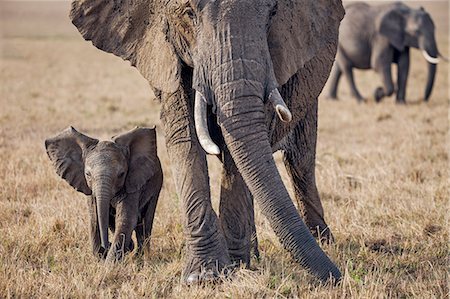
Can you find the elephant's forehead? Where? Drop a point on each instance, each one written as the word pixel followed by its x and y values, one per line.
pixel 107 150
pixel 107 145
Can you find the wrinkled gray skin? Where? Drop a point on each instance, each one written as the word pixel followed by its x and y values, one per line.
pixel 374 37
pixel 123 177
pixel 233 54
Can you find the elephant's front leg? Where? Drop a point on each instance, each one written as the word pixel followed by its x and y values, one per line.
pixel 402 76
pixel 206 251
pixel 125 223
pixel 388 85
pixel 382 57
pixel 236 214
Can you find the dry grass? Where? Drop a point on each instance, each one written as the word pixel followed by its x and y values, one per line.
pixel 382 171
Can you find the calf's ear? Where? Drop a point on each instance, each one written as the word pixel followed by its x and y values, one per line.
pixel 141 143
pixel 65 150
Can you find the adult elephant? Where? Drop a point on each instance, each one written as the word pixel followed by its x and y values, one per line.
pixel 374 37
pixel 229 64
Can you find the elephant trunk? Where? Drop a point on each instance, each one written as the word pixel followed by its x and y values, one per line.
pixel 430 81
pixel 103 196
pixel 242 120
pixel 430 52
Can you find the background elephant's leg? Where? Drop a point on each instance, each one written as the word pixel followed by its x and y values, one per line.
pixel 205 244
pixel 336 74
pixel 348 72
pixel 299 151
pixel 144 228
pixel 236 213
pixel 402 75
pixel 125 222
pixel 94 229
pixel 388 85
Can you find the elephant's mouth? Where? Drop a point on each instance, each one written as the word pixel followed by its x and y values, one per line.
pixel 205 123
pixel 118 197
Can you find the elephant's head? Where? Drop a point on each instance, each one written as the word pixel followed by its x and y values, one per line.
pixel 240 52
pixel 407 27
pixel 104 169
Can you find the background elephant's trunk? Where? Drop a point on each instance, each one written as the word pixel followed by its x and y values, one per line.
pixel 429 49
pixel 430 81
pixel 102 193
pixel 243 125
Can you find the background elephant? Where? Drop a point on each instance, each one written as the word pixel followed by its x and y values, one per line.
pixel 123 177
pixel 229 65
pixel 373 37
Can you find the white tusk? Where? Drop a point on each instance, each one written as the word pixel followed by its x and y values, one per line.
pixel 430 59
pixel 280 106
pixel 201 125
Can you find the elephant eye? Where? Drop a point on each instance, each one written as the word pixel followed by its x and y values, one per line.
pixel 121 175
pixel 88 174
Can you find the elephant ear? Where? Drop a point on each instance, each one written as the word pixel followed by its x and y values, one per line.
pixel 141 143
pixel 299 31
pixel 392 25
pixel 65 150
pixel 427 21
pixel 134 30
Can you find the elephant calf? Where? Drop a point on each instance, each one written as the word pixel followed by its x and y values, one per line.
pixel 123 177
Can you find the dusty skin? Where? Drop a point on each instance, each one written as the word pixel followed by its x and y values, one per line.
pixel 381 172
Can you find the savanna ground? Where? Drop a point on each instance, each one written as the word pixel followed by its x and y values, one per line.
pixel 382 171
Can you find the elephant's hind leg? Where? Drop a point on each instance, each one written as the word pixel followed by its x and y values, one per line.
pixel 144 228
pixel 299 151
pixel 348 72
pixel 236 214
pixel 336 74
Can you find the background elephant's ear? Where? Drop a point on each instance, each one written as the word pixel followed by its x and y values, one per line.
pixel 299 31
pixel 133 30
pixel 65 150
pixel 427 21
pixel 392 25
pixel 141 143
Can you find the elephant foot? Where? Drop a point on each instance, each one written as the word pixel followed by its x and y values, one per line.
pixel 332 97
pixel 241 257
pixel 117 251
pixel 322 233
pixel 254 247
pixel 202 277
pixel 239 248
pixel 400 102
pixel 101 252
pixel 197 272
pixel 379 94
